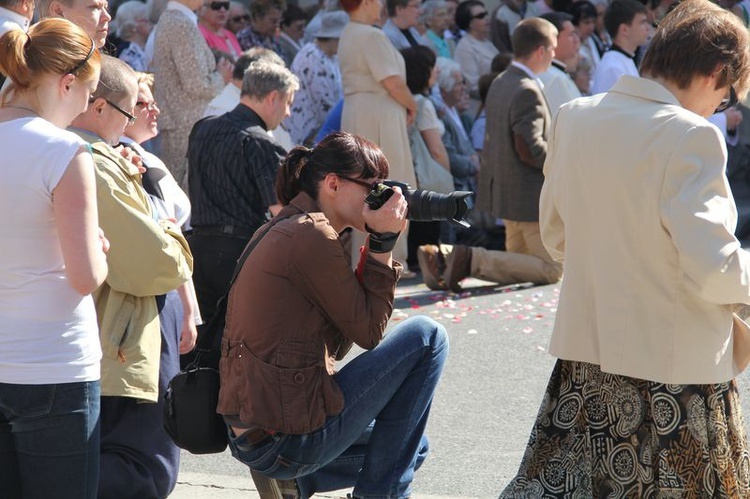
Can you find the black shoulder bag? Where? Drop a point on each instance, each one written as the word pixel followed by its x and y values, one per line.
pixel 190 416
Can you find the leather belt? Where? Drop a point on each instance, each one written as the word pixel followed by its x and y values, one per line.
pixel 224 230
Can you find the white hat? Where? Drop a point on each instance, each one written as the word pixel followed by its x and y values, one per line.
pixel 332 24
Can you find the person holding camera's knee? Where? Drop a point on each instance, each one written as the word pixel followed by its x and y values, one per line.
pixel 296 307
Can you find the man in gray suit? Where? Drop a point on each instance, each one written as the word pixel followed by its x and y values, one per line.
pixel 511 177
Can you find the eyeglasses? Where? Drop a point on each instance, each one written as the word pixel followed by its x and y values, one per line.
pixel 218 5
pixel 150 106
pixel 481 15
pixel 727 102
pixel 130 117
pixel 368 185
pixel 84 61
pixel 244 18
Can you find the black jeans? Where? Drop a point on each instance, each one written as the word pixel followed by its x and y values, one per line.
pixel 214 259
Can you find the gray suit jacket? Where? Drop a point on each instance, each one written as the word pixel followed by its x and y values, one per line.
pixel 515 147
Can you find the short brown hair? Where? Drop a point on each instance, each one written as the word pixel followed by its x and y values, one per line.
pixel 621 12
pixel 530 34
pixel 117 80
pixel 52 46
pixel 350 5
pixel 695 39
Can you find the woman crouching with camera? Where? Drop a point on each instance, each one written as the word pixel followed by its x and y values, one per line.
pixel 296 307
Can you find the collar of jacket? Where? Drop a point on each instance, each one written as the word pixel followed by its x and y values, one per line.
pixel 99 146
pixel 644 88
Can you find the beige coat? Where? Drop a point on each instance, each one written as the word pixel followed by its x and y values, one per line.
pixel 637 205
pixel 184 71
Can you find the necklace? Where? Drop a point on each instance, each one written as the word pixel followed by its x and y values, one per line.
pixel 22 108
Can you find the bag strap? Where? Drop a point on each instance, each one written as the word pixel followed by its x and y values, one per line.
pixel 204 345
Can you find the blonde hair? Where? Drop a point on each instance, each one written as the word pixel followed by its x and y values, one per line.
pixel 52 46
pixel 145 78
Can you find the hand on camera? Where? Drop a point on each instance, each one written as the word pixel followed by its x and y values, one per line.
pixel 391 217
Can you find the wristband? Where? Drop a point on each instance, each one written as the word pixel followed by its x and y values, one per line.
pixel 382 242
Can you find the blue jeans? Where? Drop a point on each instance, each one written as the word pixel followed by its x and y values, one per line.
pixel 377 441
pixel 49 440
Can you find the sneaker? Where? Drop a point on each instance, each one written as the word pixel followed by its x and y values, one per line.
pixel 271 488
pixel 432 265
pixel 457 267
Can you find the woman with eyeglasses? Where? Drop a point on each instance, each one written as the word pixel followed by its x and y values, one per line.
pixel 178 309
pixel 475 51
pixel 239 17
pixel 212 23
pixel 642 401
pixel 296 308
pixel 187 77
pixel 53 257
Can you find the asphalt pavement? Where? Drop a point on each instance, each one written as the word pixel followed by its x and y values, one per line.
pixel 484 407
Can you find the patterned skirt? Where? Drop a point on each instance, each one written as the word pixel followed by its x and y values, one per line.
pixel 600 435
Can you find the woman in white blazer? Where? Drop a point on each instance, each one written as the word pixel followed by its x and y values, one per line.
pixel 642 401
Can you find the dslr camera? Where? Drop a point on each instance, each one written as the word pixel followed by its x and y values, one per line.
pixel 424 206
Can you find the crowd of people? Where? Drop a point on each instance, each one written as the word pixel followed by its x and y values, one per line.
pixel 149 144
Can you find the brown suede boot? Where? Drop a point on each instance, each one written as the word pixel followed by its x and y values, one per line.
pixel 457 267
pixel 432 265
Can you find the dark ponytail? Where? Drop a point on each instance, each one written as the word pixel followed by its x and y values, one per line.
pixel 288 182
pixel 340 153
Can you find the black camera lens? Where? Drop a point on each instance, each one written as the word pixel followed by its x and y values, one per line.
pixel 424 206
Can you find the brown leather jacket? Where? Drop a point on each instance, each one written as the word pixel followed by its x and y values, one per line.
pixel 294 309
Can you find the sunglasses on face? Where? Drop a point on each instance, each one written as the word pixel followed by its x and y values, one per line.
pixel 218 5
pixel 241 19
pixel 728 101
pixel 481 15
pixel 368 185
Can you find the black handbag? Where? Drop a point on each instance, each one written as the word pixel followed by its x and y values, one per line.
pixel 190 416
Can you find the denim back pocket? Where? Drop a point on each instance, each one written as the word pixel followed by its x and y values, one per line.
pixel 27 401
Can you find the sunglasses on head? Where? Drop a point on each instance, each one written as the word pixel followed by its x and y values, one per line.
pixel 481 15
pixel 218 5
pixel 728 101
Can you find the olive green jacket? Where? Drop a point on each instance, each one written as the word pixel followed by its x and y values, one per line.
pixel 146 258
